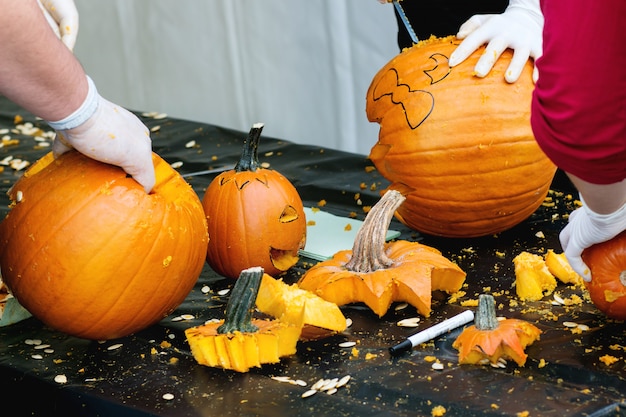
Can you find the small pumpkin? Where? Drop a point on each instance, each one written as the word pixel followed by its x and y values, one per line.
pixel 291 304
pixel 378 273
pixel 607 288
pixel 255 217
pixel 239 342
pixel 490 339
pixel 533 279
pixel 459 147
pixel 89 253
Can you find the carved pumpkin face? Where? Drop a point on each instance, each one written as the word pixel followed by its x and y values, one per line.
pixel 607 263
pixel 255 218
pixel 460 148
pixel 89 253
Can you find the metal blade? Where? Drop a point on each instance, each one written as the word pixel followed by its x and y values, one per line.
pixel 405 20
pixel 209 171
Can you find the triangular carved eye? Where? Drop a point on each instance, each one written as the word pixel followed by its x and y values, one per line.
pixel 288 215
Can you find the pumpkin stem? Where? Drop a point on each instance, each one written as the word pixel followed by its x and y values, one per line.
pixel 241 302
pixel 368 251
pixel 249 160
pixel 486 318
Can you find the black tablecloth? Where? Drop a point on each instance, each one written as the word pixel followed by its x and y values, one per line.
pixel 563 375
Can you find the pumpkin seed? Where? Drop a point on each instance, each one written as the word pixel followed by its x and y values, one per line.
pixel 346 344
pixel 60 379
pixel 19 196
pixel 559 299
pixel 412 322
pixel 190 144
pixel 36 356
pixel 331 391
pixel 343 381
pixel 281 378
pixel 115 346
pixel 348 322
pixel 401 306
pixel 318 384
pixel 155 128
pixel 168 396
pixel 309 393
pixel 437 366
pixel 160 116
pixel 205 289
pixel 176 164
pixel 223 292
pixel 42 347
pixel 583 327
pixel 570 324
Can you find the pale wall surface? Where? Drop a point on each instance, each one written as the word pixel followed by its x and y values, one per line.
pixel 300 66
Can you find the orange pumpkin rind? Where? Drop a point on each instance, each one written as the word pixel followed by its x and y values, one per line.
pixel 607 288
pixel 65 245
pixel 482 344
pixel 240 342
pixel 255 217
pixel 459 147
pixel 378 273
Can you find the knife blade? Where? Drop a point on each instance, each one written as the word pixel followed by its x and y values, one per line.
pixel 209 171
pixel 405 20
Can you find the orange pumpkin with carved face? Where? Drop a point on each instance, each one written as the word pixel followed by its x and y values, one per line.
pixel 255 217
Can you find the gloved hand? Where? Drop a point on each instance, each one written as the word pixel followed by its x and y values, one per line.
pixel 63 18
pixel 108 133
pixel 586 228
pixel 520 28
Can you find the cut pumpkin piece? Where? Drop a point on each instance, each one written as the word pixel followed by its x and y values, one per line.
pixel 559 267
pixel 378 273
pixel 533 280
pixel 291 304
pixel 240 342
pixel 490 339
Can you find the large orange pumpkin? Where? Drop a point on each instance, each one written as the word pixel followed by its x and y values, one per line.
pixel 607 263
pixel 255 217
pixel 89 253
pixel 459 147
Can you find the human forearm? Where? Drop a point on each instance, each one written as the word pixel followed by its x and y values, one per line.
pixel 31 58
pixel 601 198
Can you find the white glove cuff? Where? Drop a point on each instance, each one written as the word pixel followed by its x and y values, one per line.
pixel 617 215
pixel 83 113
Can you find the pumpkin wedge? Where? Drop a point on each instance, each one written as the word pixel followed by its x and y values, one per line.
pixel 240 342
pixel 291 304
pixel 378 273
pixel 490 339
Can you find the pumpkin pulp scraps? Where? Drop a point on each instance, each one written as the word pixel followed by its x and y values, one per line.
pixel 240 342
pixel 490 339
pixel 255 216
pixel 378 273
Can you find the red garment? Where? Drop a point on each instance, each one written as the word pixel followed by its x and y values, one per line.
pixel 579 103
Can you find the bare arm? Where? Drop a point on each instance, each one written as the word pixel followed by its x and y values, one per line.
pixel 601 198
pixel 38 72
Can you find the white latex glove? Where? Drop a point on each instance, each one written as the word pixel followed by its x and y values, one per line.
pixel 520 28
pixel 63 18
pixel 108 133
pixel 586 228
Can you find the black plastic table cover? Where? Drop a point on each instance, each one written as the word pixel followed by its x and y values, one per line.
pixel 563 375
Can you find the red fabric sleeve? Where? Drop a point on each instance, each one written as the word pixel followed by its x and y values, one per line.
pixel 579 103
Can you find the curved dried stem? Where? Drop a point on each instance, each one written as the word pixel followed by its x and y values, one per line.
pixel 368 251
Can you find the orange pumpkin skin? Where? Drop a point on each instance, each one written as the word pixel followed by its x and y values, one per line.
pixel 255 218
pixel 607 263
pixel 89 253
pixel 459 147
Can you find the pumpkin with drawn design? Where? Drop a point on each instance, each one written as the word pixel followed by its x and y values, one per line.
pixel 459 147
